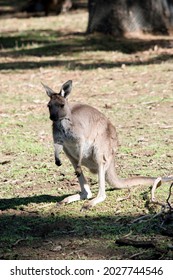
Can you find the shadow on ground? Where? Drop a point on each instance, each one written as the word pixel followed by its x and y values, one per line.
pixel 51 44
pixel 34 232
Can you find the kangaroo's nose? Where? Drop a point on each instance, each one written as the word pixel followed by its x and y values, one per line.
pixel 53 117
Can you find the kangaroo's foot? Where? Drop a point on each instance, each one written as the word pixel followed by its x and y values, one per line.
pixel 89 204
pixel 85 194
pixel 70 199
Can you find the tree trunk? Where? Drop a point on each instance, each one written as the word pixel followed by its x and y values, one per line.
pixel 119 17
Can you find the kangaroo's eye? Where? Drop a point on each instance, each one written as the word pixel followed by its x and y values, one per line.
pixel 62 105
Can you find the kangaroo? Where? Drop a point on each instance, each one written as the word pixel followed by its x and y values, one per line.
pixel 88 138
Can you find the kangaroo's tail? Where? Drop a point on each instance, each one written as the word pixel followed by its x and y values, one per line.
pixel 117 183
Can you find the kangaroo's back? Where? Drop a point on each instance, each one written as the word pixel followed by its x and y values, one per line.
pixel 91 123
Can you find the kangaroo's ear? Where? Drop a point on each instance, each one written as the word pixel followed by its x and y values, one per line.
pixel 49 91
pixel 66 89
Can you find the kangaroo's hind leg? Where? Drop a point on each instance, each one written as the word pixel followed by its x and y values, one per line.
pixel 85 188
pixel 101 193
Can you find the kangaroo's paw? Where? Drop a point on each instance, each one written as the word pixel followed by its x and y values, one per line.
pixel 58 162
pixel 78 171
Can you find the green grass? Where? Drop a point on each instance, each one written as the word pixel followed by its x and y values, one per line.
pixel 131 85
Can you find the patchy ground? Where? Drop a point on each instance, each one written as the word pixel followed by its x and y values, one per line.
pixel 130 81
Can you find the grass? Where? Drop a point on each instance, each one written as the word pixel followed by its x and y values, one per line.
pixel 129 81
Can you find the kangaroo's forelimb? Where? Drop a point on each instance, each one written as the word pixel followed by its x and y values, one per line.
pixel 57 150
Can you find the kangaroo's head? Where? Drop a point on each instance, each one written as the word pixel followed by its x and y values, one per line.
pixel 58 105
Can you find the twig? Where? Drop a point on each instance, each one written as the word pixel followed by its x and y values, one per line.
pixel 137 254
pixel 169 195
pixel 147 217
pixel 166 207
pixel 18 241
pixel 158 214
pixel 141 218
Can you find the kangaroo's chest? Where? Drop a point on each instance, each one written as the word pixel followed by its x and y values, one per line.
pixel 72 144
pixel 62 133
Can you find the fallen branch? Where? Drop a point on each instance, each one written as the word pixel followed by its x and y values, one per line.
pixel 142 218
pixel 136 243
pixel 147 244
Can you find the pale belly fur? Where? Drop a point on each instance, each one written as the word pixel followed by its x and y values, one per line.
pixel 88 154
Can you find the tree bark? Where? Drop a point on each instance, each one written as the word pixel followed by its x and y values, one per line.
pixel 119 17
